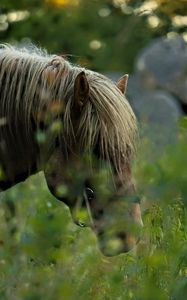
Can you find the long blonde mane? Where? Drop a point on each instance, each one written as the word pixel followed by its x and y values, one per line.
pixel 27 87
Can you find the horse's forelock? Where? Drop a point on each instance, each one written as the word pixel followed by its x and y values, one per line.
pixel 108 120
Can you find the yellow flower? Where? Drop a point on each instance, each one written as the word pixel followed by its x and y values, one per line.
pixel 62 2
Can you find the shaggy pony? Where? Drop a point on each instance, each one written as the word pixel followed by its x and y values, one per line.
pixel 51 112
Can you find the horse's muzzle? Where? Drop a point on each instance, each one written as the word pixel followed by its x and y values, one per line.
pixel 118 244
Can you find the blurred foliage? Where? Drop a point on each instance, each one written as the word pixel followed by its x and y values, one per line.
pixel 103 35
pixel 172 7
pixel 44 255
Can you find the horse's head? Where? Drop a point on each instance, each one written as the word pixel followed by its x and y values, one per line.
pixel 88 162
pixel 91 166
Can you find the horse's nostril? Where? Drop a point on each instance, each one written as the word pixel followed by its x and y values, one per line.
pixel 80 224
pixel 98 214
pixel 122 235
pixel 100 233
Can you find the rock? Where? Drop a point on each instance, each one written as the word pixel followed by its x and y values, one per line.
pixel 157 111
pixel 163 64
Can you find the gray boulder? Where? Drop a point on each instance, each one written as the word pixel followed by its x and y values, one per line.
pixel 163 64
pixel 157 110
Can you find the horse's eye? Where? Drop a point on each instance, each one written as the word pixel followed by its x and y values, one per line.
pixel 89 193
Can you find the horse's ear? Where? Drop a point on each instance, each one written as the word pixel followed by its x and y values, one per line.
pixel 81 90
pixel 122 83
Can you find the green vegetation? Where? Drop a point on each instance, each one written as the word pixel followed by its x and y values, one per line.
pixel 103 35
pixel 44 255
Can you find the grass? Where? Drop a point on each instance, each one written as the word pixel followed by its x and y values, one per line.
pixel 43 254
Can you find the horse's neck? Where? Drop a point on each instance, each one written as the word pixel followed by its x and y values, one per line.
pixel 17 158
pixel 20 155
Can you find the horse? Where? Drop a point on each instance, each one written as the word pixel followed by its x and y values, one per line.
pixel 75 125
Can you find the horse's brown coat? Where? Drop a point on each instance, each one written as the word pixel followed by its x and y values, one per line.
pixel 37 90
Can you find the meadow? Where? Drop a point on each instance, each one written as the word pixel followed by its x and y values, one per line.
pixel 43 254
